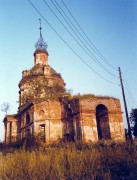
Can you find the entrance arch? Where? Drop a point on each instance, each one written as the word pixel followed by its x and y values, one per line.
pixel 70 123
pixel 102 122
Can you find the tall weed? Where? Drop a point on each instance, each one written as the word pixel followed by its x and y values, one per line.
pixel 102 161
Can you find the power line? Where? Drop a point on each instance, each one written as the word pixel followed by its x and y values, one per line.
pixel 103 58
pixel 130 95
pixel 85 48
pixel 130 102
pixel 68 44
pixel 67 19
pixel 76 28
pixel 129 92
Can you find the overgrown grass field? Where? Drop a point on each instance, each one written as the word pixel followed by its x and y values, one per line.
pixel 102 161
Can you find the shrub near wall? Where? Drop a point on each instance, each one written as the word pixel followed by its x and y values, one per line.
pixel 102 161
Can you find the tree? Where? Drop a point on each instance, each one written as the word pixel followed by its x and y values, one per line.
pixel 5 107
pixel 133 119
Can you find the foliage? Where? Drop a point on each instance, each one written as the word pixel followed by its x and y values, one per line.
pixel 39 89
pixel 37 69
pixel 5 107
pixel 88 96
pixel 133 119
pixel 101 161
pixel 27 143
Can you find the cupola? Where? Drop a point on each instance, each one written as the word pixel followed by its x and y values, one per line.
pixel 41 53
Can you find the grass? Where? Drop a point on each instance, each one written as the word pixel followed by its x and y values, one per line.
pixel 88 96
pixel 102 161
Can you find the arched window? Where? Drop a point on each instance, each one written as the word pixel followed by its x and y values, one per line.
pixel 42 132
pixel 69 112
pixel 27 119
pixel 41 113
pixel 102 122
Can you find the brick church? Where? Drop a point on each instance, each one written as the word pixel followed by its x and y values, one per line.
pixel 48 110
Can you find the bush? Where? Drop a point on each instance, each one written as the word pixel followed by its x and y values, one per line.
pixel 101 161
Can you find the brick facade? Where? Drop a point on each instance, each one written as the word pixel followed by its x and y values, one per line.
pixel 45 109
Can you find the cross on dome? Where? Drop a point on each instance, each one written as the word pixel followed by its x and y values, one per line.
pixel 41 44
pixel 40 28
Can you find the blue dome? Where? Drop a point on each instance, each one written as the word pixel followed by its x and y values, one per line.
pixel 41 44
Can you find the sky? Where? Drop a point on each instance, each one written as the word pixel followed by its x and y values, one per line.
pixel 111 28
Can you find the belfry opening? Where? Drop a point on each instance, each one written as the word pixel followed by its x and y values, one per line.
pixel 102 122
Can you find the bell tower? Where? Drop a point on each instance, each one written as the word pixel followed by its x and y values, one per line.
pixel 41 53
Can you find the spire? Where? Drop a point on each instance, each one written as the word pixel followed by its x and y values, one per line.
pixel 41 44
pixel 40 28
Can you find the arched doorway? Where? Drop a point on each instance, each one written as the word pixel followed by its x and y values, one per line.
pixel 70 123
pixel 69 126
pixel 102 122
